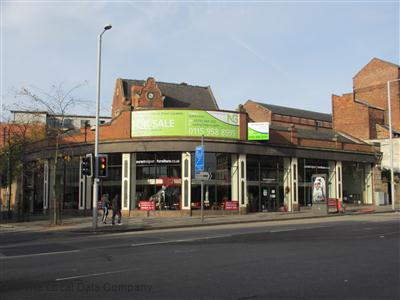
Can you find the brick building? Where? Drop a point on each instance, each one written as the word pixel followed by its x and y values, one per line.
pixel 363 113
pixel 155 127
pixel 151 139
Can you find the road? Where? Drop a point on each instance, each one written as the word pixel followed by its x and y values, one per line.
pixel 346 257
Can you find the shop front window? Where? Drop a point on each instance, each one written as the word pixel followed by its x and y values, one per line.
pixel 308 170
pixel 217 190
pixel 264 183
pixel 353 180
pixel 111 184
pixel 158 179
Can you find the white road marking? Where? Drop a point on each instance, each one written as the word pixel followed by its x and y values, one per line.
pixel 181 240
pixel 92 275
pixel 283 230
pixel 38 254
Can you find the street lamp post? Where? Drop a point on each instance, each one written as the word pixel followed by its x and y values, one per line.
pixel 391 145
pixel 96 142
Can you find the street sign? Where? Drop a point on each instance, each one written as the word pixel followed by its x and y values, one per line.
pixel 202 176
pixel 199 159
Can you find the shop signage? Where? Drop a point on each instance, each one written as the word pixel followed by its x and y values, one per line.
pixel 258 131
pixel 231 205
pixel 147 205
pixel 202 176
pixel 191 123
pixel 159 161
pixel 199 159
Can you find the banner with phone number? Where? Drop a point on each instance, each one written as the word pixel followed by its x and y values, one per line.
pixel 191 123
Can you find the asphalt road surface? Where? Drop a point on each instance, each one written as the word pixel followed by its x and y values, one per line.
pixel 347 257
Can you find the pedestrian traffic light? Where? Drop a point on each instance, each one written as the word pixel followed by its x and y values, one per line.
pixel 86 165
pixel 103 165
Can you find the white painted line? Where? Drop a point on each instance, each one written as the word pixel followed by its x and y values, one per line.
pixel 181 240
pixel 92 275
pixel 392 232
pixel 38 254
pixel 312 227
pixel 283 230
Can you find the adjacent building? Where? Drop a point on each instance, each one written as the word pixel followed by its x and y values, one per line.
pixel 364 114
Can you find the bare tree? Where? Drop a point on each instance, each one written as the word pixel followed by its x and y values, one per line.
pixel 58 103
pixel 14 141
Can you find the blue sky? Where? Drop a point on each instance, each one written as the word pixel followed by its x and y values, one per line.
pixel 294 54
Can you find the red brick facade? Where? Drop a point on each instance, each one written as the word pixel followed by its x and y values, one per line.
pixel 258 113
pixel 363 112
pixel 148 96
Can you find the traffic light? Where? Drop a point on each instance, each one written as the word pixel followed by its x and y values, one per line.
pixel 86 166
pixel 103 165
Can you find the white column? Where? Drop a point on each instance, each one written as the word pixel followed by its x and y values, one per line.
pixel 287 183
pixel 368 184
pixel 82 187
pixel 294 184
pixel 186 181
pixel 332 182
pixel 133 181
pixel 339 185
pixel 235 177
pixel 242 181
pixel 290 183
pixel 125 185
pixel 46 185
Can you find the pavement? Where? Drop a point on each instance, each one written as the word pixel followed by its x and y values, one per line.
pixel 84 224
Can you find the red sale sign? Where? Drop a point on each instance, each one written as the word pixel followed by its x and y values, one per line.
pixel 147 205
pixel 231 205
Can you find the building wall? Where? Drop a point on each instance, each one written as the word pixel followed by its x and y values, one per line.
pixel 70 121
pixel 350 117
pixel 257 113
pixel 22 117
pixel 376 116
pixel 120 100
pixel 370 85
pixel 382 132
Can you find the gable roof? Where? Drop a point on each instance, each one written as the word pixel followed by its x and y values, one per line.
pixel 385 61
pixel 294 112
pixel 377 60
pixel 178 95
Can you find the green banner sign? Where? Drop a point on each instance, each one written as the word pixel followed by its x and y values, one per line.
pixel 190 123
pixel 258 131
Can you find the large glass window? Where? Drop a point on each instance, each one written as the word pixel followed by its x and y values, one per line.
pixel 217 190
pixel 111 184
pixel 158 178
pixel 307 170
pixel 353 183
pixel 264 182
pixel 71 190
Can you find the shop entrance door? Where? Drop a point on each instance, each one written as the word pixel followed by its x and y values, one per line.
pixel 269 198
